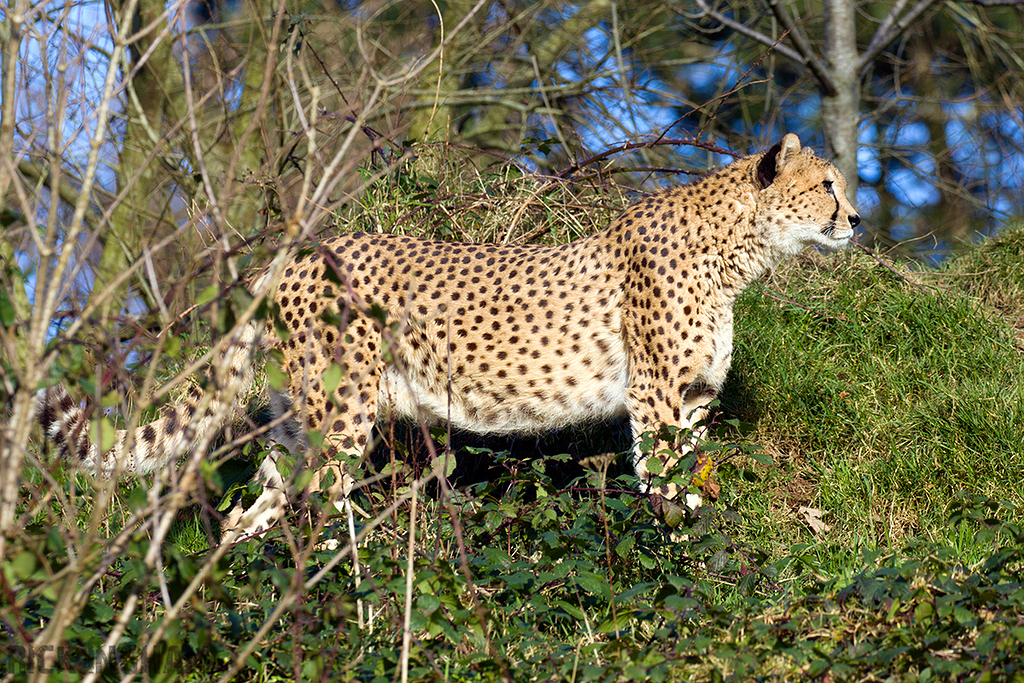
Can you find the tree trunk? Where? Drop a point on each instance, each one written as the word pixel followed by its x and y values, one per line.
pixel 143 216
pixel 11 278
pixel 840 110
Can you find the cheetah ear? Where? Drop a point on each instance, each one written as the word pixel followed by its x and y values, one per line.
pixel 773 161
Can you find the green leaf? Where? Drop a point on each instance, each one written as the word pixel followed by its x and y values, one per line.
pixel 303 478
pixel 616 623
pixel 102 433
pixel 206 296
pixel 172 346
pixel 595 584
pixel 759 456
pixel 7 312
pixel 923 612
pixel 672 513
pixel 227 500
pixel 573 610
pixel 962 615
pixel 894 608
pixel 332 378
pixel 110 399
pixel 718 561
pixel 242 298
pixel 428 604
pixel 443 465
pixel 137 498
pixel 103 612
pixel 23 565
pixel 392 468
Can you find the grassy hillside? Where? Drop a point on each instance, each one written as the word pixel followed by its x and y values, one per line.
pixel 884 539
pixel 881 393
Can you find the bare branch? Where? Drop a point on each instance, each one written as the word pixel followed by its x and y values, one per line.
pixel 67 191
pixel 803 46
pixel 639 145
pixel 732 24
pixel 890 30
pixel 890 18
pixel 803 54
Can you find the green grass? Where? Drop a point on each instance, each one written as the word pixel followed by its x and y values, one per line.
pixel 880 395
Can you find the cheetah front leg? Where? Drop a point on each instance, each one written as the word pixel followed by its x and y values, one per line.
pixel 693 418
pixel 694 410
pixel 641 459
pixel 654 404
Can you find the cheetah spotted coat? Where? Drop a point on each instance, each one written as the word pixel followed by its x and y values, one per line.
pixel 633 321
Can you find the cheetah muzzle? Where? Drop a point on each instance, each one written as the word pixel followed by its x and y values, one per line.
pixel 635 320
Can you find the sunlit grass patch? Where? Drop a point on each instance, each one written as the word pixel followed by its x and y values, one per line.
pixel 882 395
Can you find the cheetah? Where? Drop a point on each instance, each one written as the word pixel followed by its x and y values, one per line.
pixel 633 321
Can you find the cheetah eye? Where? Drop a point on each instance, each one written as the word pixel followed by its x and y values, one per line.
pixel 827 184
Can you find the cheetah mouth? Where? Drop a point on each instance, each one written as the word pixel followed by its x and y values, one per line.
pixel 829 231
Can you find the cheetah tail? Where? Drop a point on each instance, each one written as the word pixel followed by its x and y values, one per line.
pixel 64 424
pixel 177 431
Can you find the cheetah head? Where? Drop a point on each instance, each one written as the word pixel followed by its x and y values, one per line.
pixel 802 200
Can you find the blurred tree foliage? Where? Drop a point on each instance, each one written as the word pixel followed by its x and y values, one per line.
pixel 249 115
pixel 935 99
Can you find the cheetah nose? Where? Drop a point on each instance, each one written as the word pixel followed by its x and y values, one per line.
pixel 854 221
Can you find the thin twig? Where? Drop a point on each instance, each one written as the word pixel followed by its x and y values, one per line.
pixel 744 30
pixel 820 70
pixel 572 168
pixel 820 314
pixel 893 28
pixel 410 570
pixel 923 288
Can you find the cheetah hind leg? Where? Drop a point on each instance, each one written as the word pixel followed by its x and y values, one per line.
pixel 268 508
